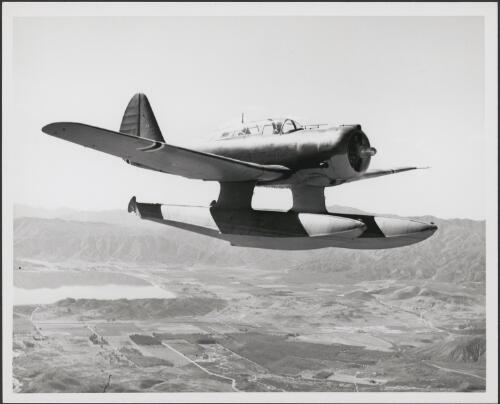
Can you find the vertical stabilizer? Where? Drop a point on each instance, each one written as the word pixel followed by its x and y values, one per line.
pixel 139 120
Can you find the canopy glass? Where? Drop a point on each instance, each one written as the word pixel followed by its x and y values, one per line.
pixel 265 128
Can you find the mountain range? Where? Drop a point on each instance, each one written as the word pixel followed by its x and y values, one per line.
pixel 455 253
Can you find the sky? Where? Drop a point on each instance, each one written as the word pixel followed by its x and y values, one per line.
pixel 415 84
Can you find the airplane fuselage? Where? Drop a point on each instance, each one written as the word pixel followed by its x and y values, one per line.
pixel 322 157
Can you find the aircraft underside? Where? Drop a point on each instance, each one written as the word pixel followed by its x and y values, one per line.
pixel 232 219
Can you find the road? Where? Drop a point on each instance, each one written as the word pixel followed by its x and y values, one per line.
pixel 113 348
pixel 420 316
pixel 93 330
pixel 33 312
pixel 233 381
pixel 453 370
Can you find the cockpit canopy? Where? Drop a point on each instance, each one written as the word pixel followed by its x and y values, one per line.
pixel 263 128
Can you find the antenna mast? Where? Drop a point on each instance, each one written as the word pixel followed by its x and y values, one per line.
pixel 242 117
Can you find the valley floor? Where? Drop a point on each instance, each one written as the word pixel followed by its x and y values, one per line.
pixel 239 329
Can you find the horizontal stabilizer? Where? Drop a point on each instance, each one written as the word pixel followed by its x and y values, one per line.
pixel 381 172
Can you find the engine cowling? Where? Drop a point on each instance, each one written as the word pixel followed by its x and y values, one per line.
pixel 352 157
pixel 359 152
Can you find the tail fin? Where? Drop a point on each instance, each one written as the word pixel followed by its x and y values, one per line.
pixel 139 120
pixel 132 206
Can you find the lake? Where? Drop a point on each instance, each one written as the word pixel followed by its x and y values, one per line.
pixel 45 287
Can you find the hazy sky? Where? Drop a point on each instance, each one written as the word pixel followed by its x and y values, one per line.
pixel 415 84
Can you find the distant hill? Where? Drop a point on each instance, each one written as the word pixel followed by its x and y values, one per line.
pixel 456 349
pixel 455 253
pixel 134 309
pixel 113 216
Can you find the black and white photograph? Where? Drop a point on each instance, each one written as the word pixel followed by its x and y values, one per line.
pixel 250 202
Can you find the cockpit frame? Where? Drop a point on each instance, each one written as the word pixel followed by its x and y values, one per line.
pixel 261 128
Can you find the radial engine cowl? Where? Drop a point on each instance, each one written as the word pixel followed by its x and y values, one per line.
pixel 359 152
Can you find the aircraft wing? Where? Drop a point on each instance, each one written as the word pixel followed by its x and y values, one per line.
pixel 162 157
pixel 379 173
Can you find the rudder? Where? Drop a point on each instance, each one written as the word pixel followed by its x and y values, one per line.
pixel 139 120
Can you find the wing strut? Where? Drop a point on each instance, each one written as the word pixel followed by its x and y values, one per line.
pixel 308 199
pixel 236 195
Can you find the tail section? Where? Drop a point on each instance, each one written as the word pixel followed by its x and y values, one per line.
pixel 132 206
pixel 150 211
pixel 139 120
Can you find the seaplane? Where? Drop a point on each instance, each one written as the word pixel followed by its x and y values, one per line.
pixel 278 153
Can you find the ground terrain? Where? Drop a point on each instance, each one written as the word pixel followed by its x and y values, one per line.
pixel 334 321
